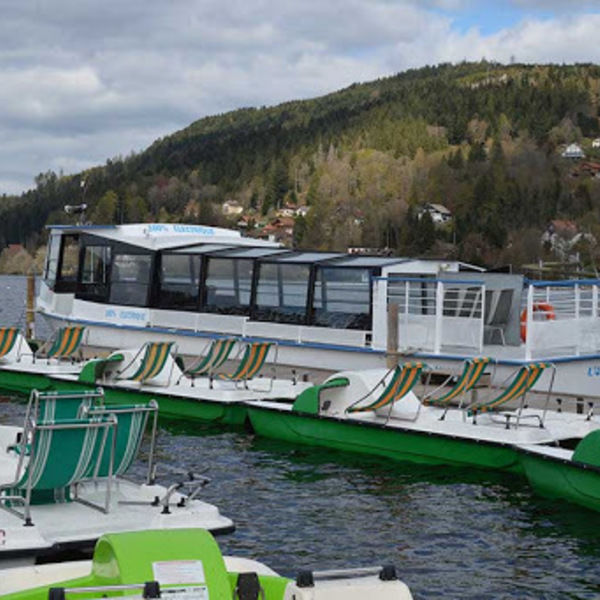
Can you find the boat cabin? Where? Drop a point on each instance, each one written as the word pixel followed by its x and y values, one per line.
pixel 215 271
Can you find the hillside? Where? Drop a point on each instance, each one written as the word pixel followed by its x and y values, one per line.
pixel 482 139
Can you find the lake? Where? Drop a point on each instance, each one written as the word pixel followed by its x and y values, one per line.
pixel 452 533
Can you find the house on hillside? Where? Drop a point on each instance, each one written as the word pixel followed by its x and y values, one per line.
pixel 438 212
pixel 562 236
pixel 573 151
pixel 280 229
pixel 292 210
pixel 589 168
pixel 287 210
pixel 246 222
pixel 232 208
pixel 596 143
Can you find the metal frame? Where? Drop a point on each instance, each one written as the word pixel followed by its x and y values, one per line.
pixel 152 407
pixel 516 414
pixel 111 421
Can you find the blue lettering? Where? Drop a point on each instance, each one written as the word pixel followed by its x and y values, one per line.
pixel 197 229
pixel 593 371
pixel 157 228
pixel 131 314
pixel 110 312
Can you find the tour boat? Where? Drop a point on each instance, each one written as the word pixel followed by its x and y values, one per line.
pixel 63 485
pixel 191 284
pixel 187 563
pixel 566 474
pixel 377 412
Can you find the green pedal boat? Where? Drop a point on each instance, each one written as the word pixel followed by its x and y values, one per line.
pixel 187 564
pixel 566 474
pixel 377 412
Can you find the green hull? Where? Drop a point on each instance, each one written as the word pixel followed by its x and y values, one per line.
pixel 556 478
pixel 233 413
pixel 378 440
pixel 184 408
pixel 14 382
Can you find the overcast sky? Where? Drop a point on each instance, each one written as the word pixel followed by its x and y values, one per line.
pixel 82 81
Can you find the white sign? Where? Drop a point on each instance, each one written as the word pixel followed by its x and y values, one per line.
pixel 178 571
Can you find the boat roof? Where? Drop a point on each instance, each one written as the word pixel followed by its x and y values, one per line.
pixel 161 236
pixel 218 241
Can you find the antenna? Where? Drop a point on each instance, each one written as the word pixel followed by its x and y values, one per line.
pixel 78 209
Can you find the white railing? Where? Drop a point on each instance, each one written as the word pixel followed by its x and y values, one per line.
pixel 434 315
pixel 561 318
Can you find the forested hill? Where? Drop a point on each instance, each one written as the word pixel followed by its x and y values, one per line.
pixel 482 139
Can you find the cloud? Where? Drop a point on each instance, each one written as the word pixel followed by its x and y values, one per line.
pixel 83 81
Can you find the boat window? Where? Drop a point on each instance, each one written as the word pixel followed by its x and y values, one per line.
pixel 228 286
pixel 282 292
pixel 342 298
pixel 63 263
pixel 52 255
pixel 179 281
pixel 129 279
pixel 95 270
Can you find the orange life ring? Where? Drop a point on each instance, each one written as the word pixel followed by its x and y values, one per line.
pixel 544 307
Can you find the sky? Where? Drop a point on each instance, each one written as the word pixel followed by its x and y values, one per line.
pixel 84 81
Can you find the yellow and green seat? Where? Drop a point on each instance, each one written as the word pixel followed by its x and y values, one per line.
pixel 8 339
pixel 60 454
pixel 154 360
pixel 66 343
pixel 252 361
pixel 404 378
pixel 526 377
pixel 218 352
pixel 472 371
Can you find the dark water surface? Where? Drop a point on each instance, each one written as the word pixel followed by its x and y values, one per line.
pixel 452 533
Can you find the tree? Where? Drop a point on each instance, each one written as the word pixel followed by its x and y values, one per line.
pixel 105 211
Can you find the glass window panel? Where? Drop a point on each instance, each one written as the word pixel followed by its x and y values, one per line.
pixel 53 253
pixel 228 285
pixel 96 263
pixel 282 292
pixel 342 298
pixel 95 273
pixel 179 280
pixel 129 279
pixel 70 259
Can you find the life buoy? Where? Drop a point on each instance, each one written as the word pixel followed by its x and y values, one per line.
pixel 544 307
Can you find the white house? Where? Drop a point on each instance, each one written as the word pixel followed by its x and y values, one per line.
pixel 596 143
pixel 232 208
pixel 573 151
pixel 438 212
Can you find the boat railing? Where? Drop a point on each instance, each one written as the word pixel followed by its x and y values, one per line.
pixel 560 318
pixel 434 315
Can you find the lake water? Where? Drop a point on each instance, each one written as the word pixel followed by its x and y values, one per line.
pixel 452 533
